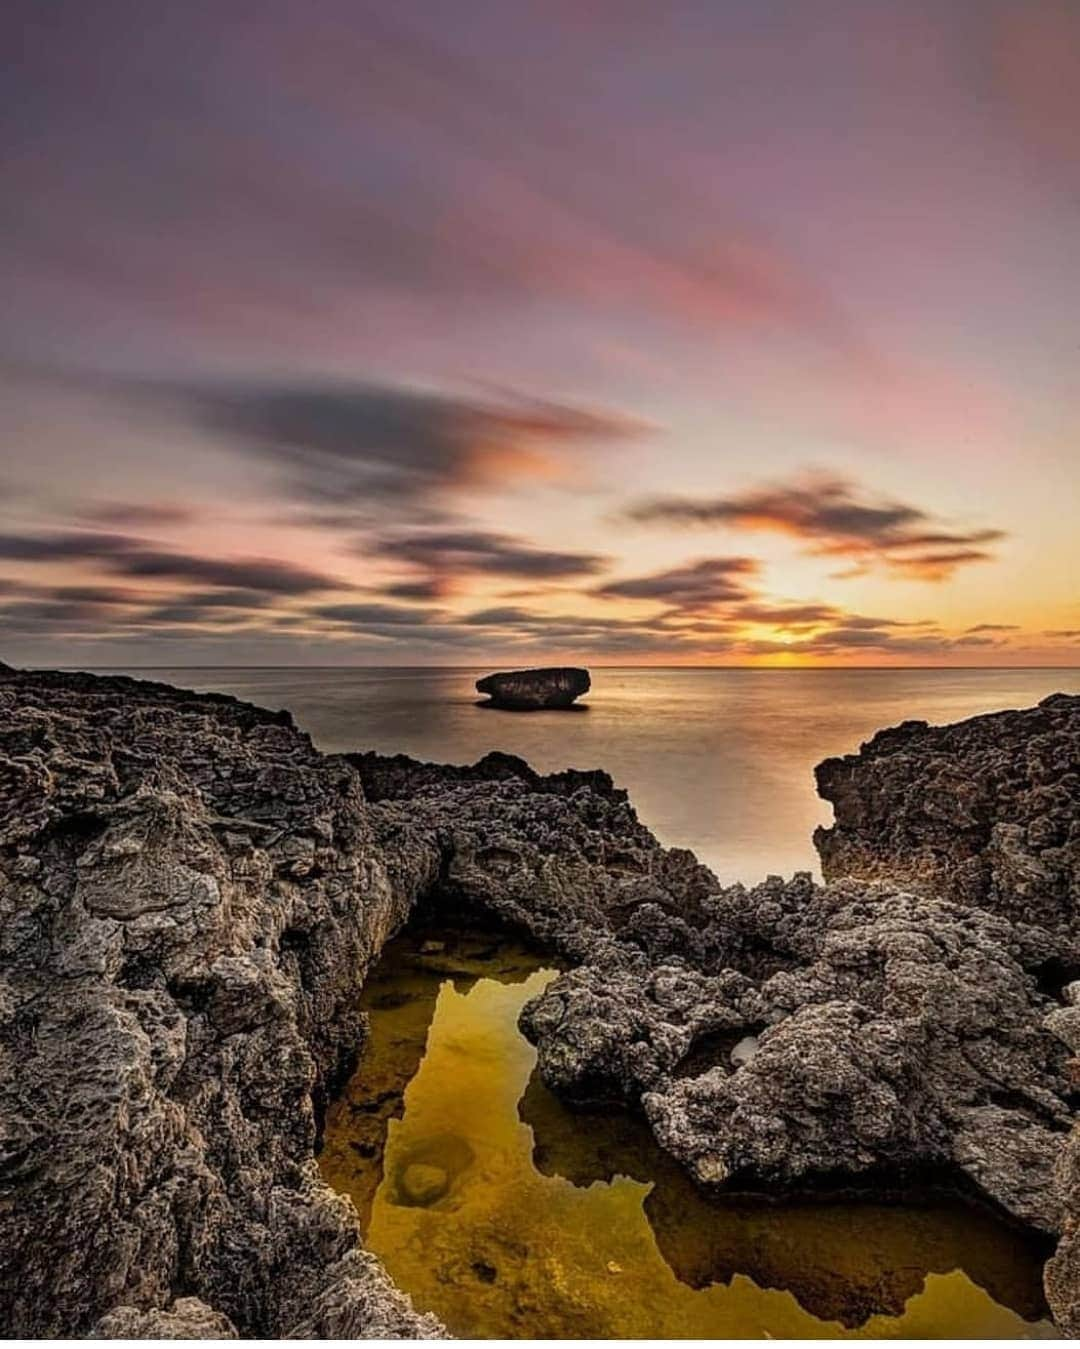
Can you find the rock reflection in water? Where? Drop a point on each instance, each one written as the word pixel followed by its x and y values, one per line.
pixel 843 1261
pixel 509 1216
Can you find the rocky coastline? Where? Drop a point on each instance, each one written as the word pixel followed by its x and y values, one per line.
pixel 191 896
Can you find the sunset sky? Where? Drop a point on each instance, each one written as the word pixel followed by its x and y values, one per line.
pixel 604 331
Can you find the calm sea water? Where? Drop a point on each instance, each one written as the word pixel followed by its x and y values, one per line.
pixel 720 761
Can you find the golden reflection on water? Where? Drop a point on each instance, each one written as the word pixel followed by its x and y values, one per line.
pixel 508 1216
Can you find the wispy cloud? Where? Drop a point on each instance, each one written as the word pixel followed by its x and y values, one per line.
pixel 139 514
pixel 369 445
pixel 375 615
pixel 835 518
pixel 694 587
pixel 442 558
pixel 264 574
pixel 60 546
pixel 260 373
pixel 133 557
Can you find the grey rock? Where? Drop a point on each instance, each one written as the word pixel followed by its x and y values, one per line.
pixel 985 812
pixel 190 896
pixel 886 1021
pixel 186 1319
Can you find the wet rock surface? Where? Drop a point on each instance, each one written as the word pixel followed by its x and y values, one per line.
pixel 191 895
pixel 535 690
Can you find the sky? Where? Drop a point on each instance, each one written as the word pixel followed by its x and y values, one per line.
pixel 478 332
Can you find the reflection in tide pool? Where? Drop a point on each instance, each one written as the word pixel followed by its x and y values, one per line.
pixel 508 1216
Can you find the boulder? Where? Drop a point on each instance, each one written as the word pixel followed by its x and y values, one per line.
pixel 535 690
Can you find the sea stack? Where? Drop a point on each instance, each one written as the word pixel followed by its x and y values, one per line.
pixel 534 690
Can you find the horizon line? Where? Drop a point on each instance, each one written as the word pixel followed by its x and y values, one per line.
pixel 758 669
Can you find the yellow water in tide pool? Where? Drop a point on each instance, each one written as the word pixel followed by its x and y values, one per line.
pixel 507 1215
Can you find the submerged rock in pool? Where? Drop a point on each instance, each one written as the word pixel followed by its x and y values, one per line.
pixel 423 1184
pixel 534 690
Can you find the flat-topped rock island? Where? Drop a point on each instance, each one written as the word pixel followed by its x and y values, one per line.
pixel 535 690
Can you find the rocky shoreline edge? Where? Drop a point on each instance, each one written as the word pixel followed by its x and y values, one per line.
pixel 191 896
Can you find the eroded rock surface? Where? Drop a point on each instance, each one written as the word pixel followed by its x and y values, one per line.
pixel 842 1261
pixel 890 1035
pixel 892 1032
pixel 190 897
pixel 985 812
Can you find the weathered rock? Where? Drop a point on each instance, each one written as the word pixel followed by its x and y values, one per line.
pixel 533 690
pixel 985 812
pixel 843 1261
pixel 190 896
pixel 186 1319
pixel 188 900
pixel 893 1034
pixel 896 1035
pixel 397 777
pixel 1063 1269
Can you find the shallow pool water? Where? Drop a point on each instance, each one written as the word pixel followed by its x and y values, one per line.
pixel 507 1215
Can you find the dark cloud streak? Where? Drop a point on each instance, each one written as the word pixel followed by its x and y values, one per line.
pixel 361 444
pixel 135 558
pixel 695 586
pixel 442 558
pixel 260 574
pixel 834 519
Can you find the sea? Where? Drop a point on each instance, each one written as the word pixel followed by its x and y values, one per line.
pixel 720 761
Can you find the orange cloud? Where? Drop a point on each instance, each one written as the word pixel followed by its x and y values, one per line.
pixel 835 518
